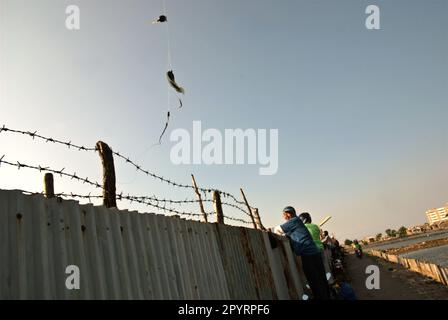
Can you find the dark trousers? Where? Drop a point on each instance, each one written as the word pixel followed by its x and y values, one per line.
pixel 314 270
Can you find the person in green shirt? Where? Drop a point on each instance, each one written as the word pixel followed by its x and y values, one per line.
pixel 358 249
pixel 356 245
pixel 312 228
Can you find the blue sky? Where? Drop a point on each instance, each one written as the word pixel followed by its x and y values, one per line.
pixel 361 114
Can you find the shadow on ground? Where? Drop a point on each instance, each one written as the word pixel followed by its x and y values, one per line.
pixel 396 282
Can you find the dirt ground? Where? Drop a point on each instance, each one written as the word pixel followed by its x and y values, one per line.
pixel 396 282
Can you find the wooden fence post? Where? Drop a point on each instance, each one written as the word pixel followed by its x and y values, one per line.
pixel 249 208
pixel 258 219
pixel 201 205
pixel 49 185
pixel 218 207
pixel 109 189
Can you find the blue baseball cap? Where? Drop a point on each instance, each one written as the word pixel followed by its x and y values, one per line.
pixel 290 209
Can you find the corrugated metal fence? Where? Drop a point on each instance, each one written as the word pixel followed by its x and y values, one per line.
pixel 129 255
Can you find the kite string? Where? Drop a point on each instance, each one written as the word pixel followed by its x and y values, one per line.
pixel 168 44
pixel 168 40
pixel 164 11
pixel 169 67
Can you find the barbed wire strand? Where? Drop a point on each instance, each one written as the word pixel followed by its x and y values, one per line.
pixel 139 199
pixel 133 199
pixel 61 172
pixel 34 135
pixel 69 145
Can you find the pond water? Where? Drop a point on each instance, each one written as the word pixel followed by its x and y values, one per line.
pixel 437 255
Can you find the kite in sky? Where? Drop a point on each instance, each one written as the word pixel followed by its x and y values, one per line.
pixel 172 81
pixel 160 19
pixel 170 74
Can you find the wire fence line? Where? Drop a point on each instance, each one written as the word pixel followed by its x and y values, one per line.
pixel 165 205
pixel 119 197
pixel 191 201
pixel 40 168
pixel 173 183
pixel 129 198
pixel 151 201
pixel 34 135
pixel 188 201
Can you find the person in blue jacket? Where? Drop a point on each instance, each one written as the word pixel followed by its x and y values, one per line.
pixel 303 245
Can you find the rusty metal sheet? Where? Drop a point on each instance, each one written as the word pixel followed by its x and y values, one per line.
pixel 130 255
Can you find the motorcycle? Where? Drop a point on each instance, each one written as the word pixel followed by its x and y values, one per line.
pixel 358 253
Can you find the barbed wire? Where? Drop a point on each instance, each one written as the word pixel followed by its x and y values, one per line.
pixel 140 201
pixel 173 183
pixel 155 205
pixel 34 135
pixel 40 168
pixel 144 201
pixel 69 145
pixel 226 194
pixel 190 201
pixel 120 198
pixel 230 205
pixel 149 201
pixel 61 172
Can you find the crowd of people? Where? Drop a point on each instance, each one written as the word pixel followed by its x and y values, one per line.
pixel 310 243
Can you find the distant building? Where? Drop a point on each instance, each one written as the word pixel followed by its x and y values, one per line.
pixel 415 230
pixel 437 215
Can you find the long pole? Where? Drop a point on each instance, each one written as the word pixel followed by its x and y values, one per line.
pixel 201 205
pixel 249 209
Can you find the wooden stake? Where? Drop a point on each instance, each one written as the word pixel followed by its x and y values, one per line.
pixel 258 219
pixel 201 205
pixel 249 208
pixel 218 207
pixel 49 185
pixel 109 189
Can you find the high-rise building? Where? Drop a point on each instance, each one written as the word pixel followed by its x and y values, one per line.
pixel 437 215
